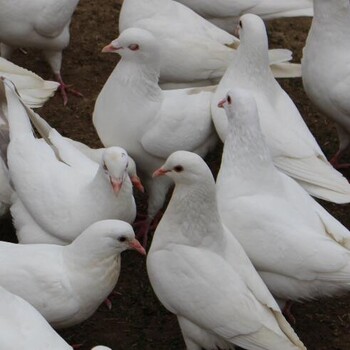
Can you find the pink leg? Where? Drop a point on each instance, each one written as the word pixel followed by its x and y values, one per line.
pixel 108 303
pixel 287 312
pixel 144 225
pixel 66 88
pixel 142 228
pixel 335 161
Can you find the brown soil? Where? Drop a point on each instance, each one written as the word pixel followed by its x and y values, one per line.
pixel 137 320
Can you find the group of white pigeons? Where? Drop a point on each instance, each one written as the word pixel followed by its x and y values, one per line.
pixel 226 256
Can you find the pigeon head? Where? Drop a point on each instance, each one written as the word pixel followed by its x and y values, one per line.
pixel 135 44
pixel 183 167
pixel 115 163
pixel 252 33
pixel 115 235
pixel 240 107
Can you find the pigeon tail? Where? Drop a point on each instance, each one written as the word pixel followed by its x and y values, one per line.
pixel 33 90
pixel 317 177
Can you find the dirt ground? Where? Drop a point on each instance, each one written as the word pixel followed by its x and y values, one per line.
pixel 137 320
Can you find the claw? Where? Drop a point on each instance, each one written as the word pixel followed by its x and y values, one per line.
pixel 66 88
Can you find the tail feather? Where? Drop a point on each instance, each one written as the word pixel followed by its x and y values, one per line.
pixel 317 177
pixel 280 65
pixel 266 338
pixel 33 90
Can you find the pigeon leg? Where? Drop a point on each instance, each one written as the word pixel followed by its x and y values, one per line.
pixel 335 161
pixel 66 88
pixel 287 312
pixel 142 227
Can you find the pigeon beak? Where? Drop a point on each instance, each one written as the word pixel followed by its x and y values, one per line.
pixel 221 103
pixel 136 245
pixel 110 48
pixel 160 172
pixel 137 183
pixel 116 184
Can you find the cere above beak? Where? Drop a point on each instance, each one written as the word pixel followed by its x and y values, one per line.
pixel 160 172
pixel 221 103
pixel 110 48
pixel 136 245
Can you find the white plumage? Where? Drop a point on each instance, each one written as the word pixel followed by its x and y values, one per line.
pixel 133 112
pixel 23 327
pixel 299 249
pixel 66 284
pixel 40 24
pixel 33 90
pixel 326 69
pixel 225 13
pixel 200 272
pixel 57 198
pixel 191 48
pixel 294 149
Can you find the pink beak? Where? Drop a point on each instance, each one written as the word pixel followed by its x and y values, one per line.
pixel 160 172
pixel 221 103
pixel 110 48
pixel 137 183
pixel 117 185
pixel 136 245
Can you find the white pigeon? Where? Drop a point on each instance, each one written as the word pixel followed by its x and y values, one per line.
pixel 133 112
pixel 66 284
pixel 200 272
pixel 191 48
pixel 57 198
pixel 225 13
pixel 326 68
pixel 299 249
pixel 23 327
pixel 33 90
pixel 40 24
pixel 294 149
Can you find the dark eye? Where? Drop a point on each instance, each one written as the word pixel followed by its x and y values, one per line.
pixel 229 99
pixel 178 168
pixel 122 239
pixel 240 24
pixel 133 47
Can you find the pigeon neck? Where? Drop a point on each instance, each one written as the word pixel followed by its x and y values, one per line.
pixel 94 269
pixel 193 211
pixel 141 77
pixel 245 151
pixel 253 57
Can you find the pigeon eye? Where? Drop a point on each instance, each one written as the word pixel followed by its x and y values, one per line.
pixel 240 24
pixel 178 168
pixel 133 47
pixel 229 99
pixel 122 239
